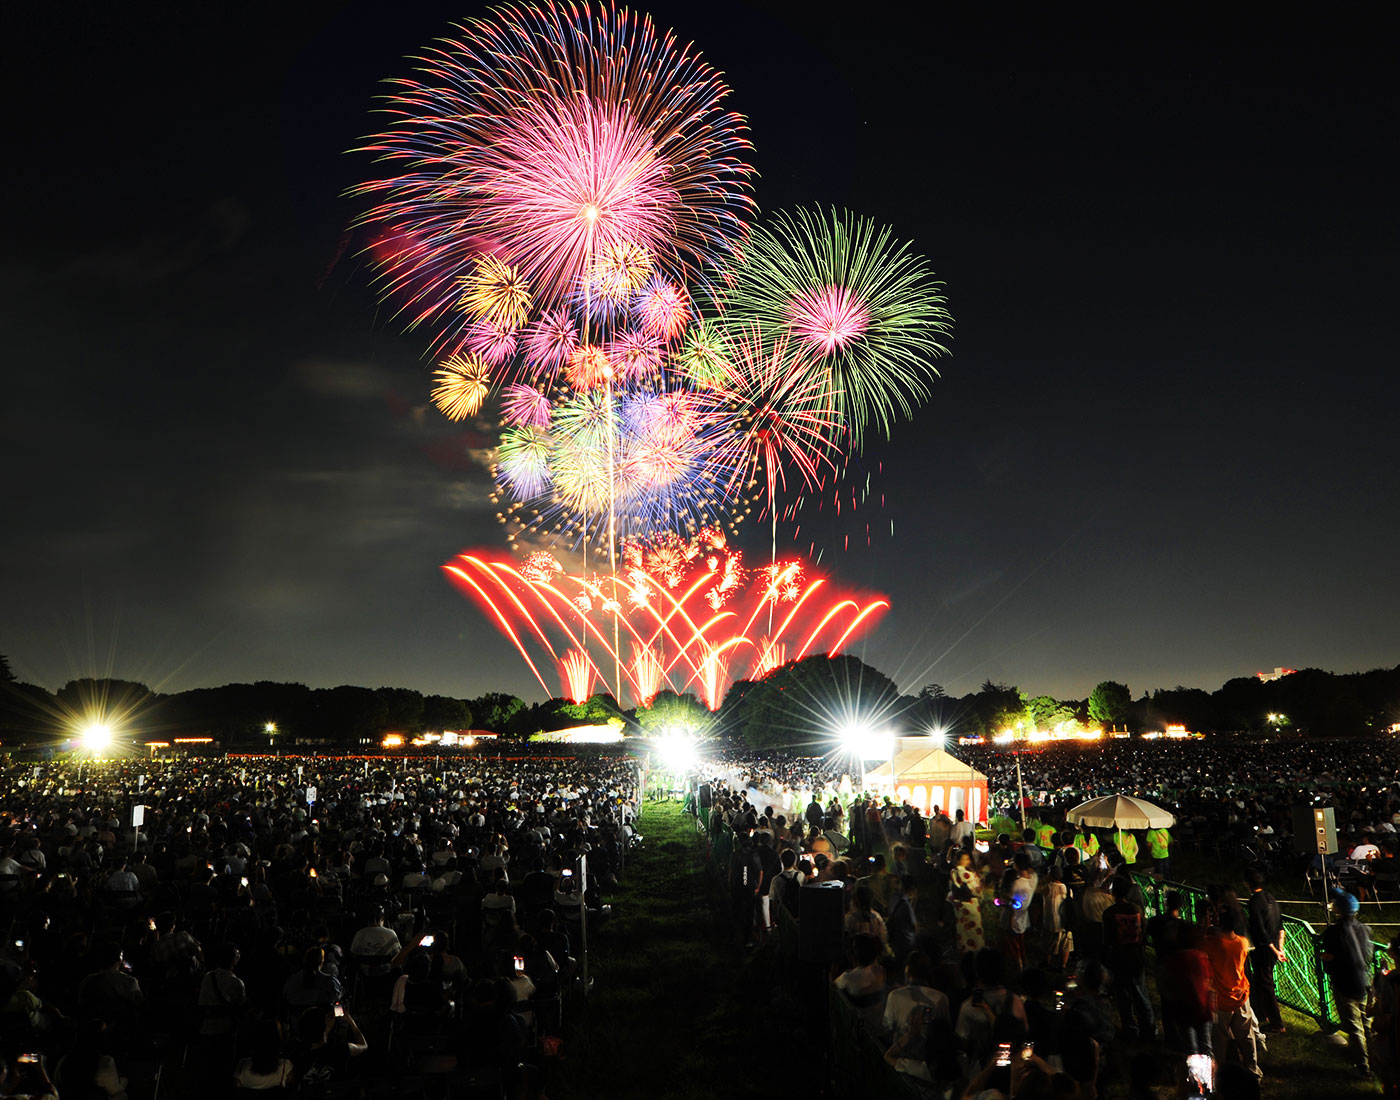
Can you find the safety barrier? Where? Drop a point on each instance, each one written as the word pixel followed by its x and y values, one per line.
pixel 1299 979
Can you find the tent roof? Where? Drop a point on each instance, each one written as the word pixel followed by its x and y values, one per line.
pixel 920 760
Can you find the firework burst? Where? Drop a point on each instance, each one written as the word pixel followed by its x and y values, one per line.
pixel 784 411
pixel 859 305
pixel 675 638
pixel 495 294
pixel 545 139
pixel 462 385
pixel 525 406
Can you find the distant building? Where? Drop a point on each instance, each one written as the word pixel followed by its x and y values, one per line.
pixel 1277 674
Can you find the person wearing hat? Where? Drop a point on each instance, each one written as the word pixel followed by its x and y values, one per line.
pixel 1346 959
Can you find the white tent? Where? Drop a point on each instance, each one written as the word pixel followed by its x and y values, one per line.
pixel 925 775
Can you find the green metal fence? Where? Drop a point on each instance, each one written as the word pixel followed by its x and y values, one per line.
pixel 1299 979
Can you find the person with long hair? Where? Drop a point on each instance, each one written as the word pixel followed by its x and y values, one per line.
pixel 266 1067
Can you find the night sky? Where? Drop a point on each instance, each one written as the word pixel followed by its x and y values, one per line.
pixel 1162 452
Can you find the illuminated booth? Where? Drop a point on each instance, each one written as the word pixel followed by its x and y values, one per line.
pixel 926 775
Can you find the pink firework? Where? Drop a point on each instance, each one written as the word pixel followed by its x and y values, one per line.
pixel 827 320
pixel 494 343
pixel 550 341
pixel 558 132
pixel 525 406
pixel 662 308
pixel 634 356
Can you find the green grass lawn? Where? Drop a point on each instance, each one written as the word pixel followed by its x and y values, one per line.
pixel 678 1011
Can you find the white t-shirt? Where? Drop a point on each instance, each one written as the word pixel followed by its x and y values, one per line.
pixel 1365 851
pixel 900 1006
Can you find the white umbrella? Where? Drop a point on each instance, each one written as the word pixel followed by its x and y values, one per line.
pixel 1120 811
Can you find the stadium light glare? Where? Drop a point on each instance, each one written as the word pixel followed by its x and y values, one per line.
pixel 96 737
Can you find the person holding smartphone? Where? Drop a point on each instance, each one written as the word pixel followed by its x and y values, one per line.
pixel 26 1077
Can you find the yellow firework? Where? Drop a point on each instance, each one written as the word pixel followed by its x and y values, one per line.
pixel 496 293
pixel 621 269
pixel 463 381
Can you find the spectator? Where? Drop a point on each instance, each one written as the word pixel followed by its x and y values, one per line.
pixel 1346 957
pixel 864 983
pixel 1266 950
pixel 266 1067
pixel 1228 951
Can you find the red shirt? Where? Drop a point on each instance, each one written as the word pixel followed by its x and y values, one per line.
pixel 1227 953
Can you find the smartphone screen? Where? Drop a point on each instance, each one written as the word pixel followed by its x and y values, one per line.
pixel 339 1009
pixel 1004 1054
pixel 426 941
pixel 1201 1069
pixel 519 964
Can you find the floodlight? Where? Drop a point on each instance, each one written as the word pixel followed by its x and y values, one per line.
pixel 96 737
pixel 677 751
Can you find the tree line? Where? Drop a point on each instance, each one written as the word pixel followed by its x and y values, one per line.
pixel 802 704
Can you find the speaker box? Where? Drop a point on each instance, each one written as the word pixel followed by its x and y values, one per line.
pixel 1314 830
pixel 706 796
pixel 820 909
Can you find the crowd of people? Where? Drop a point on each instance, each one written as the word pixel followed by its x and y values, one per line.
pixel 1019 964
pixel 306 927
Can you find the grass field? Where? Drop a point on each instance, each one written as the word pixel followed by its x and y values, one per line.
pixel 678 1011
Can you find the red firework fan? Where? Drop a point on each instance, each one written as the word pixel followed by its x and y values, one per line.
pixel 691 618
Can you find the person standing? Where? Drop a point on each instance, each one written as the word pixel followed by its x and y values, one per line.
pixel 962 829
pixel 1159 847
pixel 1228 951
pixel 1125 955
pixel 902 925
pixel 1346 958
pixel 1266 951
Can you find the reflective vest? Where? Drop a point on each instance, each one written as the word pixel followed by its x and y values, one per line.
pixel 1158 841
pixel 1128 848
